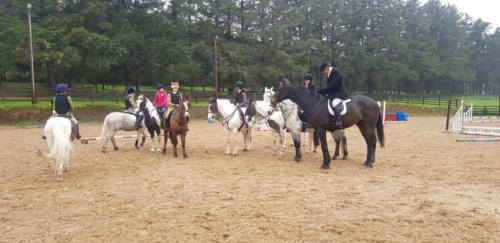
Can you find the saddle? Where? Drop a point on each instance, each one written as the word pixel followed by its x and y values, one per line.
pixel 343 108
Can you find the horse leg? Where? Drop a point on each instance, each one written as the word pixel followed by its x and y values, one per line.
pixel 105 142
pixel 173 138
pixel 344 147
pixel 281 143
pixel 368 133
pixel 337 146
pixel 143 137
pixel 296 143
pixel 324 148
pixel 158 139
pixel 183 141
pixel 113 142
pixel 165 139
pixel 248 140
pixel 60 164
pixel 245 138
pixel 228 141
pixel 234 141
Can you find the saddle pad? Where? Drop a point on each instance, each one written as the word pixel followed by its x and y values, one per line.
pixel 344 109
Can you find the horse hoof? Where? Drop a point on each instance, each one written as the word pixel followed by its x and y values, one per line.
pixel 246 150
pixel 368 165
pixel 297 159
pixel 185 156
pixel 152 150
pixel 103 151
pixel 334 157
pixel 116 148
pixel 344 158
pixel 325 170
pixel 164 151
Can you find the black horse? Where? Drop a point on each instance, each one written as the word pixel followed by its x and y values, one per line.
pixel 361 111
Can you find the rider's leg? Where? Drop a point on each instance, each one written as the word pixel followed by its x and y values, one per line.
pixel 77 127
pixel 337 109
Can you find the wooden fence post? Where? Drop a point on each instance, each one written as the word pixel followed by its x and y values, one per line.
pixel 448 115
pixel 2 93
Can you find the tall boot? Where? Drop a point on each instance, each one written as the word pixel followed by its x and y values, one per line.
pixel 338 118
pixel 78 132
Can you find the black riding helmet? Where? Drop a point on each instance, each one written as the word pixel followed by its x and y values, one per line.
pixel 308 76
pixel 239 84
pixel 324 65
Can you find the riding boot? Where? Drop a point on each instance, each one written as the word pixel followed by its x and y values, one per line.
pixel 338 118
pixel 44 137
pixel 78 132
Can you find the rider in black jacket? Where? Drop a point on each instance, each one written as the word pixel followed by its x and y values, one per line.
pixel 335 89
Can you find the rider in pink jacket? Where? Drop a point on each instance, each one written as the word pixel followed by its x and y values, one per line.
pixel 161 100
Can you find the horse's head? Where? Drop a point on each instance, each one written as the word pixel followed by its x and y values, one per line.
pixel 212 108
pixel 268 92
pixel 141 103
pixel 283 92
pixel 186 105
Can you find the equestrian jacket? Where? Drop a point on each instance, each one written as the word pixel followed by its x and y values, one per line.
pixel 62 104
pixel 161 99
pixel 310 88
pixel 240 98
pixel 130 103
pixel 175 98
pixel 335 86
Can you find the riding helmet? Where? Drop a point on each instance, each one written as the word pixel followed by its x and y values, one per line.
pixel 160 86
pixel 130 91
pixel 324 65
pixel 61 88
pixel 239 84
pixel 308 76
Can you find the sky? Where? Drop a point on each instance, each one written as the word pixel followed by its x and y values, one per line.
pixel 487 10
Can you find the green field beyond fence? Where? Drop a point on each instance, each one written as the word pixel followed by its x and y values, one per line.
pixel 18 96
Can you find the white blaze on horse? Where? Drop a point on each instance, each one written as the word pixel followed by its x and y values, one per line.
pixel 233 122
pixel 57 131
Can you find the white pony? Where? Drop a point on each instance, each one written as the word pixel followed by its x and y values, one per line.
pixel 57 131
pixel 116 121
pixel 274 120
pixel 232 122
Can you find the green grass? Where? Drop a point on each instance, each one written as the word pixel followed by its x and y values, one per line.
pixel 481 100
pixel 45 105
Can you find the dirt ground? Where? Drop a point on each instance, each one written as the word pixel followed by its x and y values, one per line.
pixel 425 187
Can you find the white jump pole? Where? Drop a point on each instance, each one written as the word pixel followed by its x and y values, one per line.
pixel 87 139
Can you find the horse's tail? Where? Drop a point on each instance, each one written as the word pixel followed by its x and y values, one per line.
pixel 105 129
pixel 380 130
pixel 61 144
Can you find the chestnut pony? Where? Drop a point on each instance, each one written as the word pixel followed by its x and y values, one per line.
pixel 178 122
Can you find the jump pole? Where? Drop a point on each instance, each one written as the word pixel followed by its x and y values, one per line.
pixel 87 139
pixel 479 140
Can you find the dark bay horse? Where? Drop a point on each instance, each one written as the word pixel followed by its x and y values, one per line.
pixel 361 111
pixel 179 122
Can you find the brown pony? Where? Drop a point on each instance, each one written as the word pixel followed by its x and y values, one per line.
pixel 178 126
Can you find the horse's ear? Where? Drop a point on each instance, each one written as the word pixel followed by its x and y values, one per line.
pixel 272 88
pixel 187 97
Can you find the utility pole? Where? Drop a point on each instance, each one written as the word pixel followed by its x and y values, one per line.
pixel 216 75
pixel 33 91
